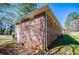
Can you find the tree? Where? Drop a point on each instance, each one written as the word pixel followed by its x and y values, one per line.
pixel 70 17
pixel 4 5
pixel 10 12
pixel 26 7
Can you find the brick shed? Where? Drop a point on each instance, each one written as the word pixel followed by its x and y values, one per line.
pixel 38 29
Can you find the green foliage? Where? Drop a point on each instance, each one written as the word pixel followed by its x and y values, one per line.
pixel 70 17
pixel 4 5
pixel 73 15
pixel 26 7
pixel 9 14
pixel 67 23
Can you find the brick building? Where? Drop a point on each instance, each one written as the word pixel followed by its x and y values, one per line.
pixel 38 29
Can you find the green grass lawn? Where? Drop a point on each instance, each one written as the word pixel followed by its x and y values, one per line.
pixel 67 45
pixel 75 35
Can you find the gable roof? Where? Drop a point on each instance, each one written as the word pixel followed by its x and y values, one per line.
pixel 39 11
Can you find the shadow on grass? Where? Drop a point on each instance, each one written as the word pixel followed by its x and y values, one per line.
pixel 63 40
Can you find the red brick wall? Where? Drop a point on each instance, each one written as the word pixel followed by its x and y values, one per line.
pixel 32 34
pixel 53 30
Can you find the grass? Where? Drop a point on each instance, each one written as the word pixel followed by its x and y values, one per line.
pixel 67 45
pixel 75 35
pixel 5 39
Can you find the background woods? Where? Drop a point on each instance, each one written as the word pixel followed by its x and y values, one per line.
pixel 9 13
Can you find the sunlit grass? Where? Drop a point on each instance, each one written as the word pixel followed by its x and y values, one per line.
pixel 5 39
pixel 69 43
pixel 75 35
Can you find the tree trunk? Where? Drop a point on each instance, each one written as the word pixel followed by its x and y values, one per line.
pixel 11 30
pixel 3 31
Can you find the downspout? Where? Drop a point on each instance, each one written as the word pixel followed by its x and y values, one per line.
pixel 44 44
pixel 46 33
